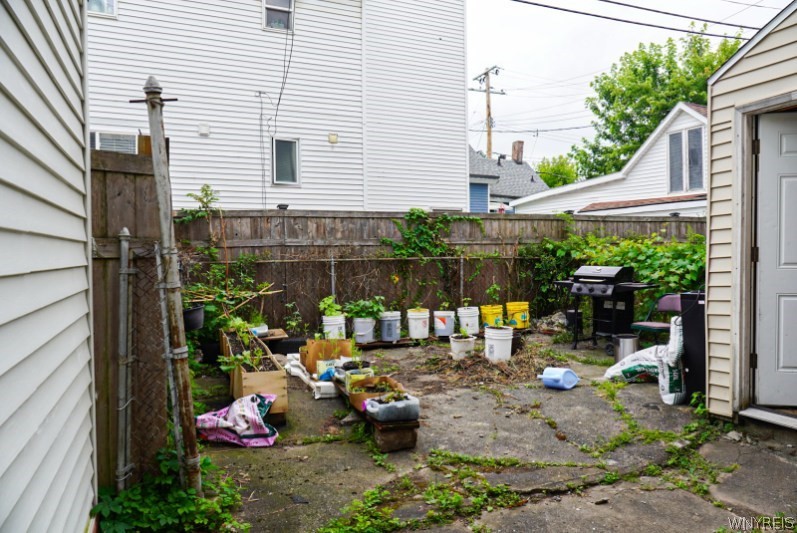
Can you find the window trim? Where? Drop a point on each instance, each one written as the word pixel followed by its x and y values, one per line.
pixel 95 134
pixel 685 186
pixel 297 161
pixel 291 15
pixel 113 15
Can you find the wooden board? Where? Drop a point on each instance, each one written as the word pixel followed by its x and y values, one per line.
pixel 243 383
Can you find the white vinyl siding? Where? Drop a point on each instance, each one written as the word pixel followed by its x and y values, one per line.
pixel 416 146
pixel 646 177
pixel 766 70
pixel 214 57
pixel 46 392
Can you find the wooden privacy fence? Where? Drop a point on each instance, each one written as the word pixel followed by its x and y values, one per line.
pixel 287 234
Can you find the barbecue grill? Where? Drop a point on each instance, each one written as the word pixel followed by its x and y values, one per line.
pixel 612 292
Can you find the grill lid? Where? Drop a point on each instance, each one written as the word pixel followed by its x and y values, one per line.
pixel 603 274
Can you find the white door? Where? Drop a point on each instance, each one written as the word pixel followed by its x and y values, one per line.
pixel 776 329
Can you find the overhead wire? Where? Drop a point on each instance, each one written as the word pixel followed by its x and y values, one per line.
pixel 669 14
pixel 751 5
pixel 626 21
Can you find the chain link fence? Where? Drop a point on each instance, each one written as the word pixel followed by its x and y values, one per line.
pixel 434 283
pixel 150 414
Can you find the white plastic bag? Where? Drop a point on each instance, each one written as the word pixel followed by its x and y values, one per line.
pixel 638 367
pixel 675 348
pixel 671 379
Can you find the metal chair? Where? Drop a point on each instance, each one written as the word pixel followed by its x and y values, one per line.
pixel 669 303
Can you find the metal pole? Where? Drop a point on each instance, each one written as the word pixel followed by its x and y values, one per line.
pixel 332 274
pixel 178 438
pixel 123 400
pixel 179 350
pixel 462 280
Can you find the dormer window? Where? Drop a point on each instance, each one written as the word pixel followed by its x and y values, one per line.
pixel 686 160
pixel 278 14
pixel 102 7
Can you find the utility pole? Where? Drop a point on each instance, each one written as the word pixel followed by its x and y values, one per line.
pixel 484 79
pixel 179 349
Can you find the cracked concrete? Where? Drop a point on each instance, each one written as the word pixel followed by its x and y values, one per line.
pixel 294 488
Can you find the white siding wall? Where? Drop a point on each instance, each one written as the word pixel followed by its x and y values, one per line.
pixel 415 104
pixel 647 178
pixel 214 56
pixel 46 412
pixel 767 70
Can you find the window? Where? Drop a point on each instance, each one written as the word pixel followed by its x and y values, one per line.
pixel 285 161
pixel 686 160
pixel 102 7
pixel 278 14
pixel 114 142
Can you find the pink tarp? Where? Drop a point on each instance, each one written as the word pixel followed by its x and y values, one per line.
pixel 242 422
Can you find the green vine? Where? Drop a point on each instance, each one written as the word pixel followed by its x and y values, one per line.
pixel 424 235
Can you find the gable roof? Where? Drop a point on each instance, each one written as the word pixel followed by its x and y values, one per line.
pixel 515 180
pixel 696 111
pixel 757 38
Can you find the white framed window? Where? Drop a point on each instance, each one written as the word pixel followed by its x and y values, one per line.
pixel 102 7
pixel 114 142
pixel 686 160
pixel 278 14
pixel 285 161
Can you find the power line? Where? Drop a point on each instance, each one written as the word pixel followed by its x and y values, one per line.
pixel 751 5
pixel 538 130
pixel 694 32
pixel 651 10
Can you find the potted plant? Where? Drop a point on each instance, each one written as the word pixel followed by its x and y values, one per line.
pixel 462 344
pixel 365 313
pixel 444 320
pixel 332 318
pixel 251 366
pixel 418 322
pixel 297 329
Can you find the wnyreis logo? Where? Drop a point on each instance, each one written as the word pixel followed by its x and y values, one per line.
pixel 763 523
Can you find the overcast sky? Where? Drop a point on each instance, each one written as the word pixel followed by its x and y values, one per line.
pixel 549 57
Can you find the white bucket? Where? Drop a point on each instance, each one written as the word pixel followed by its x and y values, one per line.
pixel 444 323
pixel 418 321
pixel 498 343
pixel 461 347
pixel 334 327
pixel 364 330
pixel 391 326
pixel 469 319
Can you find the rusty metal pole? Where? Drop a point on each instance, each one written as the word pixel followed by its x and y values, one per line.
pixel 179 349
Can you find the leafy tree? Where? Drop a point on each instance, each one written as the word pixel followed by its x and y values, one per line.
pixel 637 93
pixel 557 171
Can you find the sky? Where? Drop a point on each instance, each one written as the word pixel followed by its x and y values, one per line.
pixel 548 58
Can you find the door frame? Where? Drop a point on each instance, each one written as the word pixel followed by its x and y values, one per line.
pixel 743 298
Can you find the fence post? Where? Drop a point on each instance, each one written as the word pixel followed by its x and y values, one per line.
pixel 461 280
pixel 123 400
pixel 332 274
pixel 179 350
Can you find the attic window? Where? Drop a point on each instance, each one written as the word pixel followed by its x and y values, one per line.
pixel 686 160
pixel 278 14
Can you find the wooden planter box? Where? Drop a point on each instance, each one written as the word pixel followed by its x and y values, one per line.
pixel 243 383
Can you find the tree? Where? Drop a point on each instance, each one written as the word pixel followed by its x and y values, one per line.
pixel 557 171
pixel 637 93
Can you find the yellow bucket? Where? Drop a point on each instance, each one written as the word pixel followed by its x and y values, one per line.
pixel 492 315
pixel 518 314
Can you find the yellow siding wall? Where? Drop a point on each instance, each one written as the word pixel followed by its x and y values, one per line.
pixel 768 69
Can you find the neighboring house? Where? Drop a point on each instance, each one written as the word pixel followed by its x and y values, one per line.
pixel 752 242
pixel 319 104
pixel 47 464
pixel 494 183
pixel 665 176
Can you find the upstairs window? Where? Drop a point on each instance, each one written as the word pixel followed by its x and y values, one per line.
pixel 102 7
pixel 278 14
pixel 686 160
pixel 285 161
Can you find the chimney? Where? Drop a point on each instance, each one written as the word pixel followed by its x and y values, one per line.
pixel 517 152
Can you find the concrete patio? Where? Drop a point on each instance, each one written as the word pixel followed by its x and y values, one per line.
pixel 599 457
